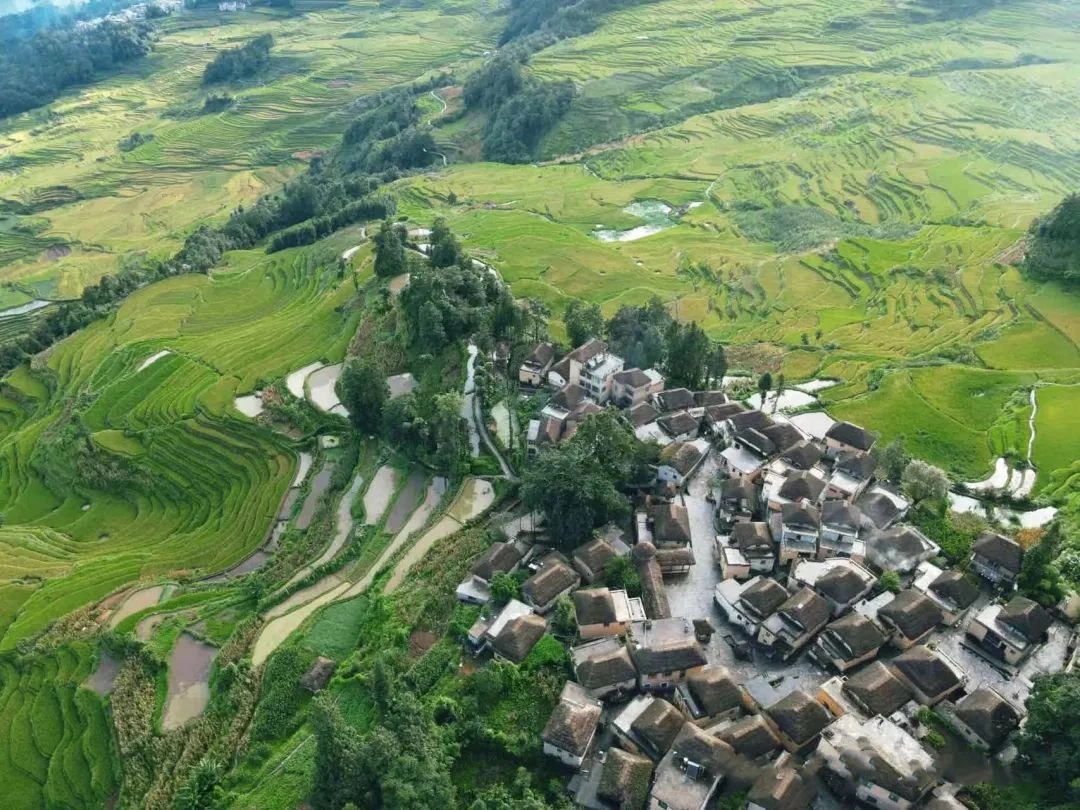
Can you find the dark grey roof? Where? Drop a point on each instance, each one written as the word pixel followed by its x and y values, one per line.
pixel 879 508
pixel 625 779
pixel 501 557
pixel 857 464
pixel 675 399
pixel 715 755
pixel 516 640
pixel 718 413
pixel 594 606
pixel 683 456
pixel 1000 550
pixel 755 440
pixel 955 588
pixel 1026 617
pixel 671 523
pixel 806 609
pixel 757 420
pixel 658 726
pixel 714 690
pixel 678 423
pixel 553 578
pixel 569 397
pixel 675 557
pixel 926 671
pixel 634 377
pixel 802 455
pixel 798 516
pixel 912 613
pixel 851 435
pixel 783 788
pixel 877 689
pixel 738 489
pixel 595 554
pixel 541 355
pixel 752 537
pixel 802 485
pixel 676 657
pixel 750 736
pixel 572 725
pixel 610 667
pixel 989 715
pixel 839 515
pixel 857 634
pixel 799 716
pixel 842 584
pixel 703 399
pixel 764 596
pixel 642 414
pixel 897 548
pixel 783 435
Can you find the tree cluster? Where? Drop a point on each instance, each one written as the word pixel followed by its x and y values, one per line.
pixel 1053 244
pixel 34 71
pixel 239 63
pixel 1049 744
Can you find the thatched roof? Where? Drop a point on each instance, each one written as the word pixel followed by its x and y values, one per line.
pixel 625 779
pixel 799 716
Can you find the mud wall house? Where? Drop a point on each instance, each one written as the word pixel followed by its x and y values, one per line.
pixel 604 612
pixel 625 780
pixel 680 426
pixel 782 787
pixel 709 696
pixel 799 487
pixel 877 762
pixel 1011 632
pixel 797 720
pixel 670 524
pixel 590 559
pixel 952 591
pixel 500 557
pixel 737 500
pixel 678 461
pixel 749 736
pixel 665 652
pixel 793 625
pixel 553 579
pixel 570 730
pixel 877 689
pixel 647 725
pixel 516 640
pixel 909 618
pixel 848 642
pixel 996 558
pixel 604 668
pixel 801 456
pixel 534 370
pixel 930 674
pixel 984 718
pixel 748 604
pixel 755 542
pixel 674 399
pixel 845 437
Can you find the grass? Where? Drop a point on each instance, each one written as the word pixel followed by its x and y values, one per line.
pixel 1055 425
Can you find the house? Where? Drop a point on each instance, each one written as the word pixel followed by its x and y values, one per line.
pixel 752 547
pixel 642 414
pixel 647 725
pixel 851 475
pixel 552 580
pixel 653 591
pixel 783 787
pixel 670 524
pixel 591 558
pixel 1011 632
pixel 952 591
pixel 793 625
pixel 802 455
pixel 900 549
pixel 909 618
pixel 625 780
pixel 758 420
pixel 848 642
pixel 677 461
pixel 737 462
pixel 800 524
pixel 665 652
pixel 840 582
pixel 877 762
pixel 604 668
pixel 753 441
pixel 485 630
pixel 709 695
pixel 876 689
pixel 689 775
pixel 983 717
pixel 499 558
pixel 680 426
pixel 716 415
pixel 674 399
pixel 738 500
pixel 840 524
pixel 844 437
pixel 748 604
pixel 572 726
pixel 633 386
pixel 750 737
pixel 882 510
pixel 568 370
pixel 996 558
pixel 705 399
pixel 603 612
pixel 797 720
pixel 675 560
pixel 784 436
pixel 930 674
pixel 800 487
pixel 517 638
pixel 535 369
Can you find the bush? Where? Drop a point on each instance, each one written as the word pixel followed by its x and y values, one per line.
pixel 282 695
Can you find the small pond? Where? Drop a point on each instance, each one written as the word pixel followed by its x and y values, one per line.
pixel 657 217
pixel 189 681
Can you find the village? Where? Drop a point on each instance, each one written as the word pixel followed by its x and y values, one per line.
pixel 795 641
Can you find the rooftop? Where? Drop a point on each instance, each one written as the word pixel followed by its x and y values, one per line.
pixel 799 716
pixel 574 720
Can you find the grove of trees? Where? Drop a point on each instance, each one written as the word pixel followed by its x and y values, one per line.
pixel 239 63
pixel 1053 244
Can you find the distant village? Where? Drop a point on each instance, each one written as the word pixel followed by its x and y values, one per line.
pixel 765 655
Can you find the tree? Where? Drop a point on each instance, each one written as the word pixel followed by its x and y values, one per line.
pixel 890 581
pixel 763 386
pixel 687 354
pixel 200 790
pixel 1040 578
pixel 449 435
pixel 922 481
pixel 620 574
pixel 445 250
pixel 389 251
pixel 364 394
pixel 716 367
pixel 891 460
pixel 1049 744
pixel 536 318
pixel 779 391
pixel 583 321
pixel 564 618
pixel 1053 244
pixel 504 588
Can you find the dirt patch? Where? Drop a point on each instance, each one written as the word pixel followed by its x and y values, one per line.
pixel 57 252
pixel 1014 254
pixel 104 676
pixel 308 154
pixel 338 83
pixel 189 681
pixel 420 642
pixel 760 357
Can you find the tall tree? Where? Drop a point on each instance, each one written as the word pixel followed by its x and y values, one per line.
pixel 389 251
pixel 688 350
pixel 364 393
pixel 1049 744
pixel 445 250
pixel 924 481
pixel 764 383
pixel 716 367
pixel 583 321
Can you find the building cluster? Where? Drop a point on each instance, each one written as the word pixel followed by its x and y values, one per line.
pixel 802 533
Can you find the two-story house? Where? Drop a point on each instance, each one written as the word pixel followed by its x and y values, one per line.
pixel 670 524
pixel 709 696
pixel 647 725
pixel 840 527
pixel 876 689
pixel 952 591
pixel 899 549
pixel 678 460
pixel 680 426
pixel 800 525
pixel 664 652
pixel 850 476
pixel 793 625
pixel 604 668
pixel 841 582
pixel 844 437
pixel 799 487
pixel 909 618
pixel 604 612
pixel 535 368
pixel 848 642
pixel 737 500
pixel 797 720
pixel 997 558
pixel 571 729
pixel 747 551
pixel 983 717
pixel 1010 632
pixel 634 386
pixel 750 737
pixel 748 604
pixel 568 370
pixel 931 675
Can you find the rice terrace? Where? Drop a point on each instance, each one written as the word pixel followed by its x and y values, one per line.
pixel 331 330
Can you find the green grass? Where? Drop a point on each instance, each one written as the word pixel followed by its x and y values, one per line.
pixel 1055 428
